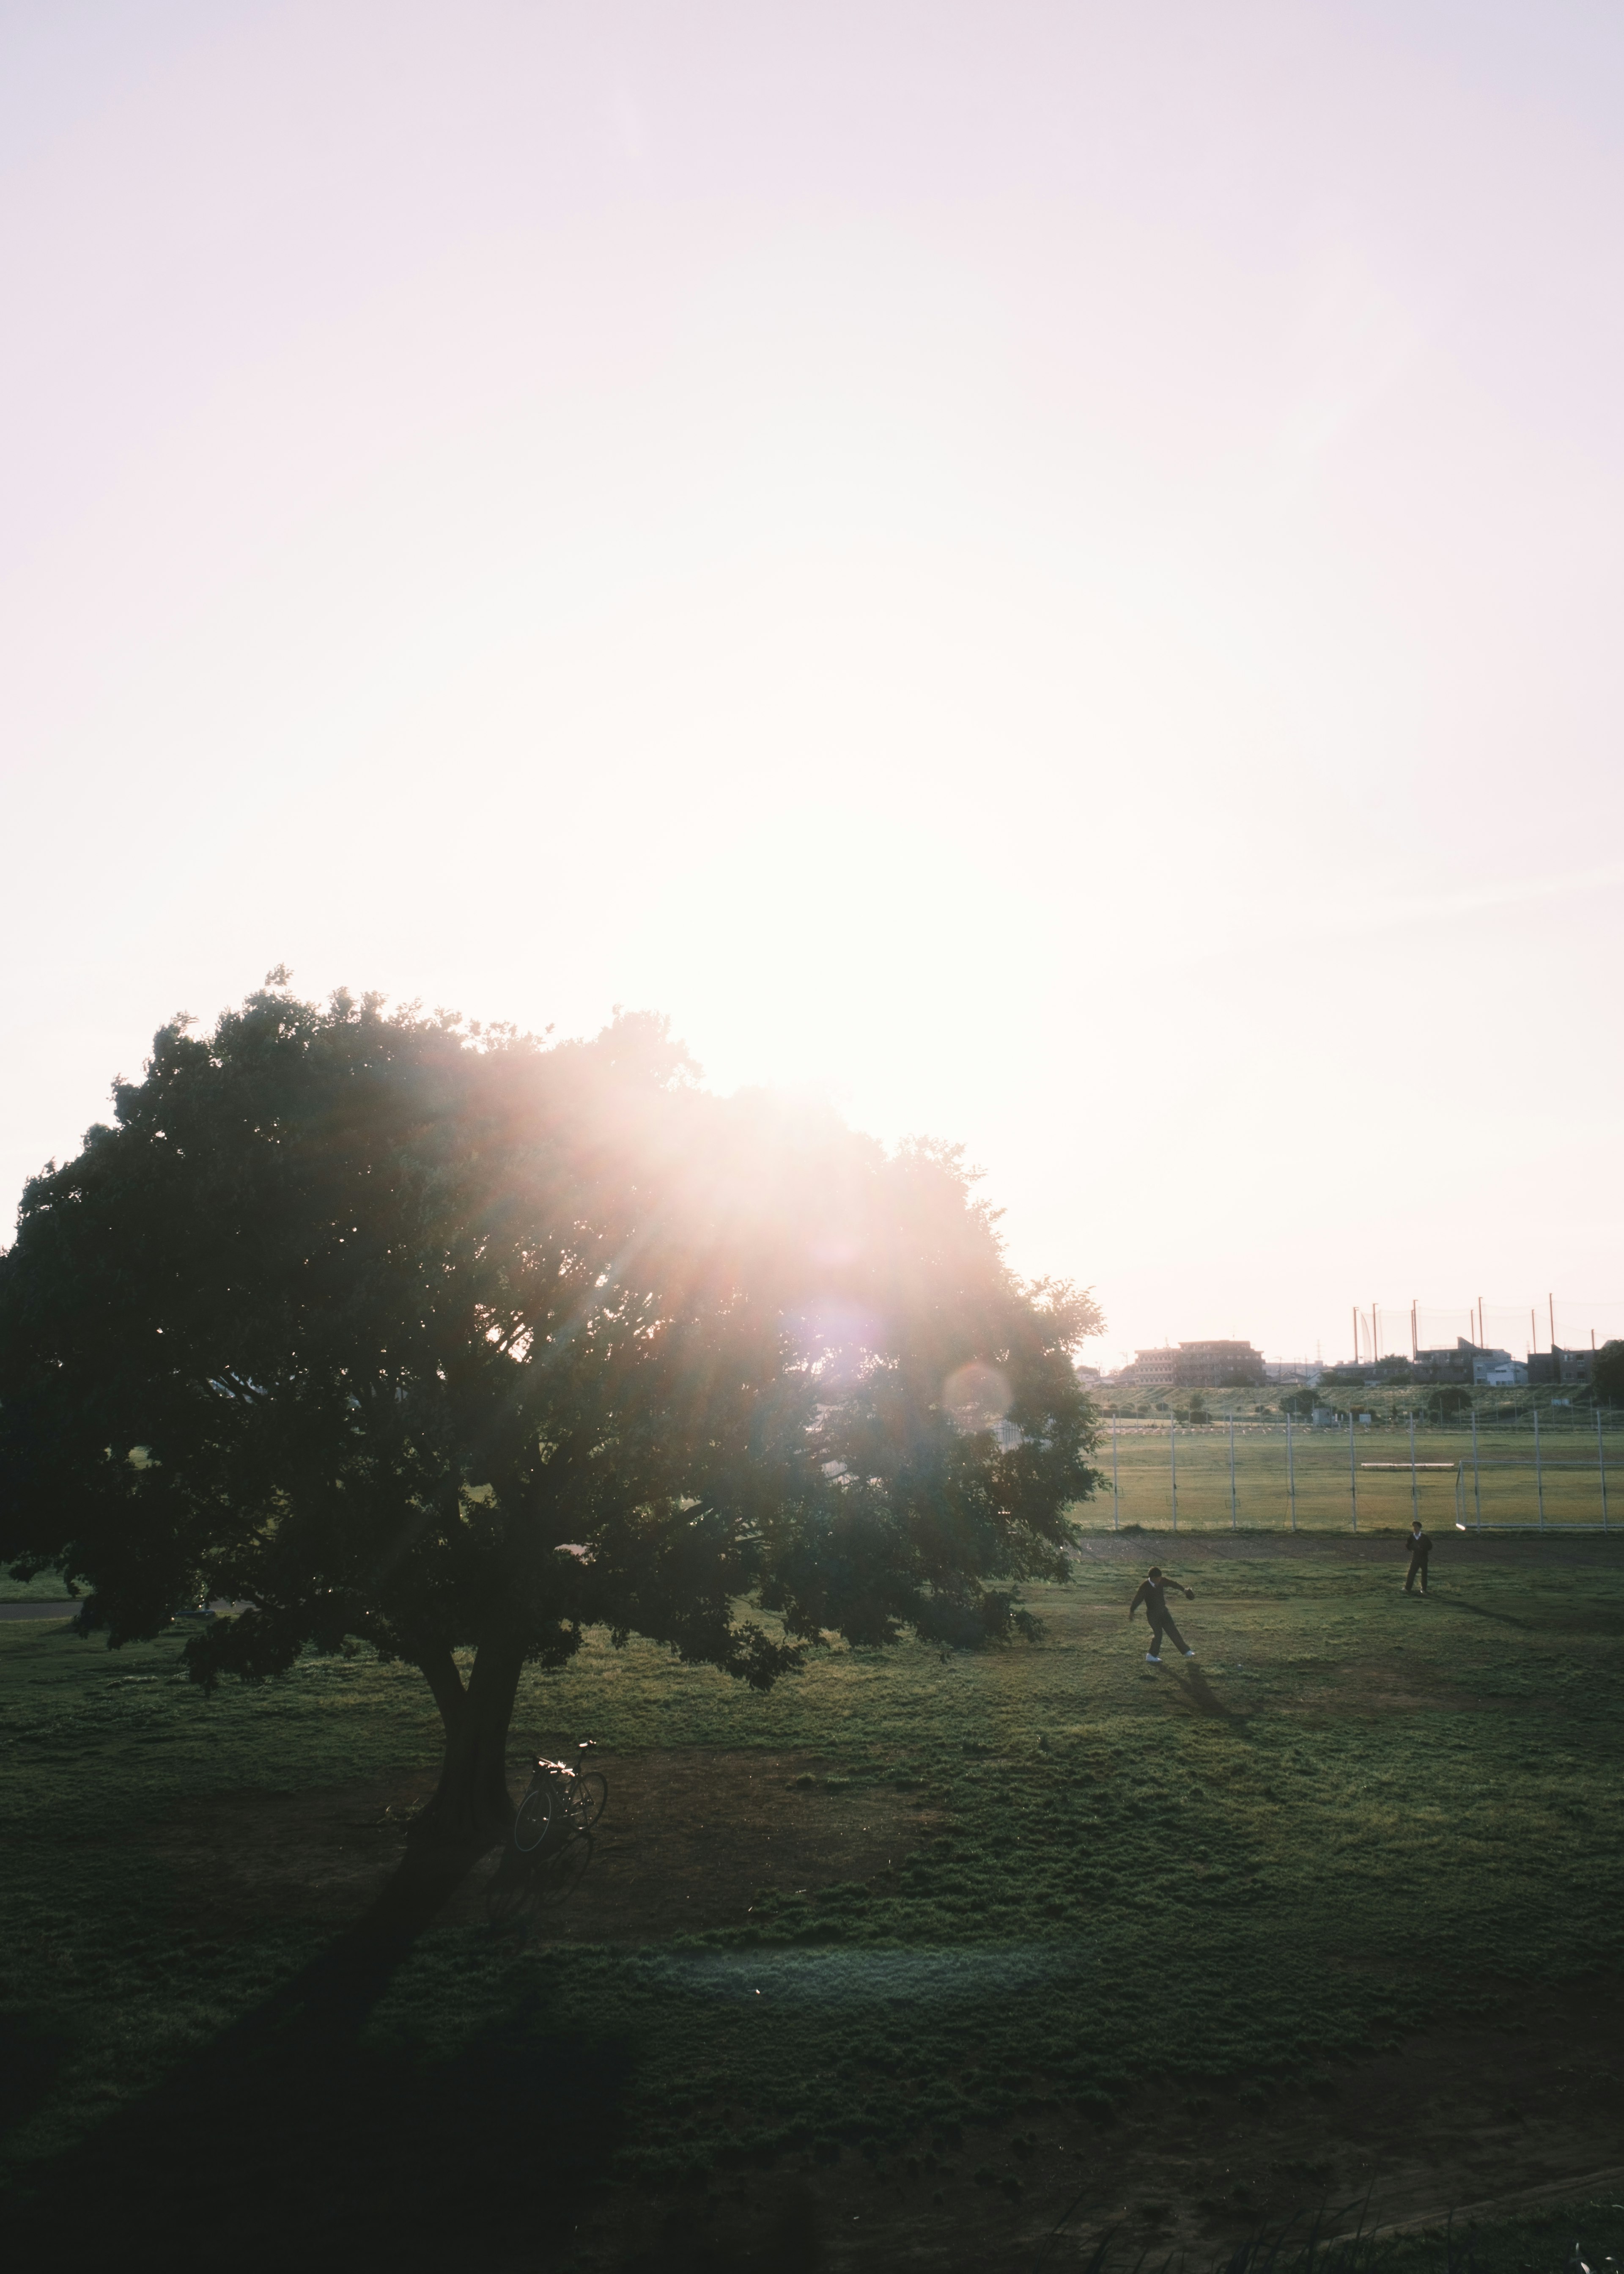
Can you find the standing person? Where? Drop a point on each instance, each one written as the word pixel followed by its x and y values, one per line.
pixel 1152 1594
pixel 1420 1547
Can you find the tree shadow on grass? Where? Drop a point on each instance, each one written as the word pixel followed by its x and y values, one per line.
pixel 288 2141
pixel 32 2050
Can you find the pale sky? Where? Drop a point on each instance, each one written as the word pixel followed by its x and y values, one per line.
pixel 1050 572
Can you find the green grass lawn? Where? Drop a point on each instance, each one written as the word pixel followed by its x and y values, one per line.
pixel 44 1587
pixel 1366 1808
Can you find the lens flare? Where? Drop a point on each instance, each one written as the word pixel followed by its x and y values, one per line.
pixel 976 1396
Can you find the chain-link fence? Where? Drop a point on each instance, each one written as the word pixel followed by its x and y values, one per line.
pixel 1527 1472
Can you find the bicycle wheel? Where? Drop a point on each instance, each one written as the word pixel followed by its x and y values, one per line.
pixel 534 1819
pixel 591 1792
pixel 561 1878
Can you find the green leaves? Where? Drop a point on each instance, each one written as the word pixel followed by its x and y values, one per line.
pixel 398 1307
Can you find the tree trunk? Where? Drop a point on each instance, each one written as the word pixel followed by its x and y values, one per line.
pixel 472 1807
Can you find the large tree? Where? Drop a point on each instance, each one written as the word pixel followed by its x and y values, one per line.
pixel 457 1343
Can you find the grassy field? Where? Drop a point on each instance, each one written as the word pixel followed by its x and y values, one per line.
pixel 1501 1488
pixel 951 1931
pixel 44 1587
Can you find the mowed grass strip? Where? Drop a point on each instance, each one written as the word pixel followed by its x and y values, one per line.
pixel 1503 1487
pixel 1356 1807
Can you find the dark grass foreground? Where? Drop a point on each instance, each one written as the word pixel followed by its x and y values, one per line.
pixel 1560 2241
pixel 1356 1814
pixel 290 2139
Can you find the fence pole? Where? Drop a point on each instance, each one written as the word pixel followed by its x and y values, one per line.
pixel 1476 1475
pixel 1116 1510
pixel 1415 1497
pixel 1601 1463
pixel 1353 1466
pixel 1173 1453
pixel 1234 1520
pixel 1539 1474
pixel 1291 1474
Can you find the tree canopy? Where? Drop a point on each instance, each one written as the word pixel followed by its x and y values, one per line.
pixel 448 1339
pixel 1608 1373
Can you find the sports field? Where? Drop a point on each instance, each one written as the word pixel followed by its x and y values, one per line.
pixel 896 1965
pixel 1500 1479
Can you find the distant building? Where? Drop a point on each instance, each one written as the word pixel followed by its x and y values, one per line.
pixel 1196 1365
pixel 1446 1365
pixel 1560 1366
pixel 1496 1369
pixel 1285 1371
pixel 1220 1365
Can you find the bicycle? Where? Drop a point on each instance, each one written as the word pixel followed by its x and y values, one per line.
pixel 551 1845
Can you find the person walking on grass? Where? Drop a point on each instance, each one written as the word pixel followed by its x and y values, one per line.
pixel 1153 1594
pixel 1420 1547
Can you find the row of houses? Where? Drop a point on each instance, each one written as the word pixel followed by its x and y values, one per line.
pixel 1215 1365
pixel 1472 1362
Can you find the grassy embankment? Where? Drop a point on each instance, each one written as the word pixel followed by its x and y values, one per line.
pixel 1268 1833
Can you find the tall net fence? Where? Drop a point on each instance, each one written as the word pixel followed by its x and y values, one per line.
pixel 1439 1327
pixel 1583 1325
pixel 1569 1322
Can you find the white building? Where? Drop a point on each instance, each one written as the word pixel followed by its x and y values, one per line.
pixel 1497 1370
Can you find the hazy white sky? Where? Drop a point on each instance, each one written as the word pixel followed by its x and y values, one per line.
pixel 1050 571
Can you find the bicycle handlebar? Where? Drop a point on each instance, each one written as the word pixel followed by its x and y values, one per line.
pixel 566 1768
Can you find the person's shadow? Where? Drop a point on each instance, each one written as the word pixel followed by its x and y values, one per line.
pixel 1451 1601
pixel 1187 1676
